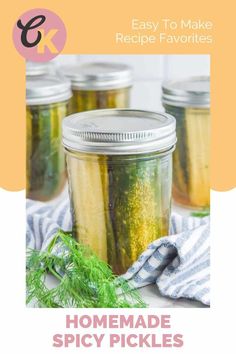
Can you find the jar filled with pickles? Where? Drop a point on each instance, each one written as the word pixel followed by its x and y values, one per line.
pixel 99 85
pixel 47 99
pixel 119 164
pixel 189 102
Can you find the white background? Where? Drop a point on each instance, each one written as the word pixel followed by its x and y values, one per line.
pixel 149 72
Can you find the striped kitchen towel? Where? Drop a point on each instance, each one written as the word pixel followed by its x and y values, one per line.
pixel 179 263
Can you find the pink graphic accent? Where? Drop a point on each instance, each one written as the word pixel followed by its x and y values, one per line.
pixel 52 32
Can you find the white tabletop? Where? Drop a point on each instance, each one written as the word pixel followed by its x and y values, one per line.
pixel 152 297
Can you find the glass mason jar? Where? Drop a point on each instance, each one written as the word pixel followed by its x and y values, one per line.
pixel 99 85
pixel 47 100
pixel 34 68
pixel 119 165
pixel 189 102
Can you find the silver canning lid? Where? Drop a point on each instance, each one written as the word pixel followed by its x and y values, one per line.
pixel 118 131
pixel 46 89
pixel 99 76
pixel 191 92
pixel 34 68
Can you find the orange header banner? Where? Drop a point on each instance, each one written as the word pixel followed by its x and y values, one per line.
pixel 127 27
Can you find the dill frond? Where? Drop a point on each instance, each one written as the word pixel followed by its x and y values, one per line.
pixel 83 279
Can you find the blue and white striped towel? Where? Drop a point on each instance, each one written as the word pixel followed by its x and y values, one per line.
pixel 179 264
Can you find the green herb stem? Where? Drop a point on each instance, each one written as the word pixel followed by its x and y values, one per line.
pixel 83 279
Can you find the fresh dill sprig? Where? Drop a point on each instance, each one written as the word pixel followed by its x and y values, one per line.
pixel 201 213
pixel 83 279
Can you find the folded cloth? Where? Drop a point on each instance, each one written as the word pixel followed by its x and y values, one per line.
pixel 179 263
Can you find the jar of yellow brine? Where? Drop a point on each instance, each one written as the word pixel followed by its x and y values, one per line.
pixel 189 102
pixel 99 85
pixel 47 98
pixel 119 165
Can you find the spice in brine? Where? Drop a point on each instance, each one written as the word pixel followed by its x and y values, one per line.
pixel 120 173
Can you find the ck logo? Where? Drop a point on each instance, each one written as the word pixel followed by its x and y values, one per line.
pixel 39 35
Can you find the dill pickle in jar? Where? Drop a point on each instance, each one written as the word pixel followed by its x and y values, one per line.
pixel 189 102
pixel 119 165
pixel 47 99
pixel 99 85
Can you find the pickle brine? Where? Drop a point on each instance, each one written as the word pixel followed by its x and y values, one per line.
pixel 45 155
pixel 189 102
pixel 99 85
pixel 119 165
pixel 90 100
pixel 47 98
pixel 118 204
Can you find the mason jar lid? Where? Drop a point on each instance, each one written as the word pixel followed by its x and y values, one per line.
pixel 190 92
pixel 119 131
pixel 47 89
pixel 34 68
pixel 99 76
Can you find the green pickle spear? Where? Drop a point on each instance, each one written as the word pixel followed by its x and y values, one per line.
pixel 136 207
pixel 181 155
pixel 120 194
pixel 45 155
pixel 188 100
pixel 191 157
pixel 118 206
pixel 28 147
pixel 88 204
pixel 85 100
